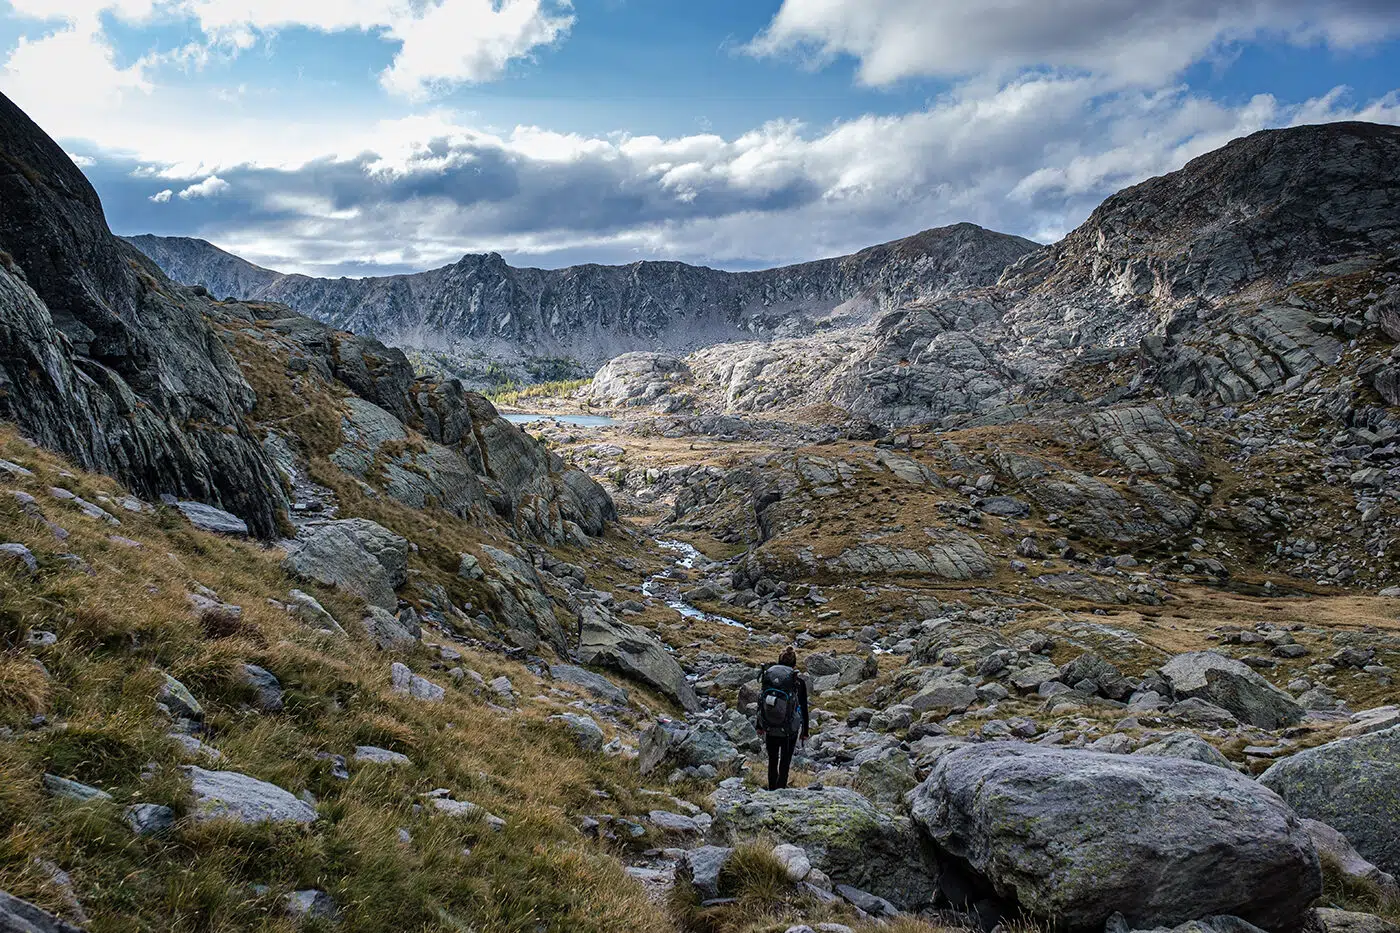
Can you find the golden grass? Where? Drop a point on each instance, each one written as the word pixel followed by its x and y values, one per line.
pixel 128 620
pixel 1355 894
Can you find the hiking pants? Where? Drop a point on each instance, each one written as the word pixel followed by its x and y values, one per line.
pixel 779 760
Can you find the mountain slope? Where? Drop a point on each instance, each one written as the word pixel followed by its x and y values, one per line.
pixel 595 312
pixel 98 360
pixel 1194 280
pixel 104 359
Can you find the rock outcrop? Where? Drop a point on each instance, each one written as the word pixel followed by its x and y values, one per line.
pixel 102 358
pixel 356 555
pixel 842 833
pixel 1211 841
pixel 608 642
pixel 1352 785
pixel 1230 685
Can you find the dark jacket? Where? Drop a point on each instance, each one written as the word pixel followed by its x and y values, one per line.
pixel 801 701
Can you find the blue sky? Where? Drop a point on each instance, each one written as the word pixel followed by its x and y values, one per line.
pixel 366 136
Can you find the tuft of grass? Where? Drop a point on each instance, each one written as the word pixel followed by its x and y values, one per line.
pixel 1356 894
pixel 763 897
pixel 24 687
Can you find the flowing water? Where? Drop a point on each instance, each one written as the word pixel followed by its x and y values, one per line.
pixel 664 587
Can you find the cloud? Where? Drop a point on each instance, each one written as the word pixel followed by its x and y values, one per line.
pixel 1033 157
pixel 71 77
pixel 162 197
pixel 1128 40
pixel 208 188
pixel 442 43
pixel 469 41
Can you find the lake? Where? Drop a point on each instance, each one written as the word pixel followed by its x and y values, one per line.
pixel 585 421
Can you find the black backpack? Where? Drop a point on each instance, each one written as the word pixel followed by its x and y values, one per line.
pixel 778 709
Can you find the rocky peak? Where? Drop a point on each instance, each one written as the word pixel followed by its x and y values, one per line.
pixel 1278 204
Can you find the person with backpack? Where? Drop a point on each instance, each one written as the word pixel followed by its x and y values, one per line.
pixel 782 714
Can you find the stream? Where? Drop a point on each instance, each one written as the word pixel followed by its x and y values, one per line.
pixel 663 587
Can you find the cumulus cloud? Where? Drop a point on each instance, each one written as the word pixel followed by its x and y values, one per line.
pixel 208 188
pixel 1032 158
pixel 469 41
pixel 442 43
pixel 71 76
pixel 1029 147
pixel 1128 40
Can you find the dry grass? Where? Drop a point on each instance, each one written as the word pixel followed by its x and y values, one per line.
pixel 1354 894
pixel 129 619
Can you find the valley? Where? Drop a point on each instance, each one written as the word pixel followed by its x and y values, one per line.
pixel 1090 554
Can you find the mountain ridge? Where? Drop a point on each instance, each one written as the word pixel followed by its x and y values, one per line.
pixel 594 311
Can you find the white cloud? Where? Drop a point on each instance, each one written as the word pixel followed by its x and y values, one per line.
pixel 442 43
pixel 1031 152
pixel 1032 157
pixel 1129 40
pixel 208 188
pixel 469 41
pixel 70 77
pixel 81 161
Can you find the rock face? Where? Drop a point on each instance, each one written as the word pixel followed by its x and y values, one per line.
pixel 1352 785
pixel 1212 841
pixel 593 313
pixel 638 378
pixel 842 833
pixel 356 555
pixel 607 642
pixel 102 358
pixel 1230 685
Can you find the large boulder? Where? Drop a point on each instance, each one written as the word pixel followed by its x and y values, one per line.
pixel 1352 785
pixel 1186 745
pixel 1076 836
pixel 844 835
pixel 1229 684
pixel 526 616
pixel 234 796
pixel 606 642
pixel 355 555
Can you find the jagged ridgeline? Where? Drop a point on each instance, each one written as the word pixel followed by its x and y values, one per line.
pixel 595 312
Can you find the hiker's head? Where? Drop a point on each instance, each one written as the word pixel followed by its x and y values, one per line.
pixel 788 657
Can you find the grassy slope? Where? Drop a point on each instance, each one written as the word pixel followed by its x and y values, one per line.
pixel 129 617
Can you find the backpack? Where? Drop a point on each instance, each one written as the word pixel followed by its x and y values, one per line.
pixel 778 708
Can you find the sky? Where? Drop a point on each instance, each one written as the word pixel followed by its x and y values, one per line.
pixel 365 137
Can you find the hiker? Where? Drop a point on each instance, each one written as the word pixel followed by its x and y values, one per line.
pixel 782 715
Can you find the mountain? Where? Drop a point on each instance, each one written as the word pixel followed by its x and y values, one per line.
pixel 1192 282
pixel 1137 547
pixel 102 361
pixel 595 312
pixel 107 361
